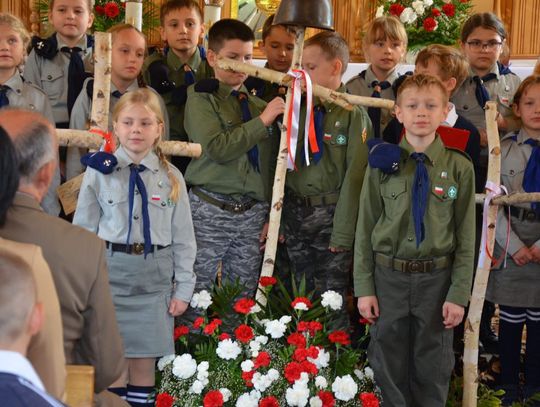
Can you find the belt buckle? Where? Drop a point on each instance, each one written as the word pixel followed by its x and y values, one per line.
pixel 137 248
pixel 414 266
pixel 530 216
pixel 237 207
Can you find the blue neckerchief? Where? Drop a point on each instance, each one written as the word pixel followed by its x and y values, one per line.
pixel 374 113
pixel 531 178
pixel 419 196
pixel 135 179
pixel 117 94
pixel 253 153
pixel 4 101
pixel 75 74
pixel 318 118
pixel 481 92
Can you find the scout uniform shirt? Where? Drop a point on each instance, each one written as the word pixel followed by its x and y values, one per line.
pixel 385 221
pixel 362 85
pixel 201 70
pixel 341 168
pixel 51 75
pixel 103 208
pixel 214 119
pixel 501 89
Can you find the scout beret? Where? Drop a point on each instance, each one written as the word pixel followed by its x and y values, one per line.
pixel 383 156
pixel 159 77
pixel 100 161
pixel 207 85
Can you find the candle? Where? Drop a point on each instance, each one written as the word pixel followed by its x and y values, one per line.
pixel 134 13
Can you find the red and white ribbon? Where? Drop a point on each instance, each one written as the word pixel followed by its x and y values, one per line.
pixel 494 190
pixel 109 146
pixel 310 138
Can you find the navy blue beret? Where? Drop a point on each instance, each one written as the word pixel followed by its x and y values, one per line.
pixel 100 161
pixel 383 156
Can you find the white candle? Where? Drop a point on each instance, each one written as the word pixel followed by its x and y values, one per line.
pixel 134 12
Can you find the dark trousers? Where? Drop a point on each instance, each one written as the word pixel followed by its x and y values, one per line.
pixel 410 350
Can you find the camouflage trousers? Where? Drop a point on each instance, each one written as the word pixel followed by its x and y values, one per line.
pixel 307 234
pixel 231 239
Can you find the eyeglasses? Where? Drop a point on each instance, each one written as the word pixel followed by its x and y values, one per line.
pixel 478 45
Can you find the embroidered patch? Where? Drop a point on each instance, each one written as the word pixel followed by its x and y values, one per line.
pixel 341 139
pixel 452 192
pixel 156 197
pixel 337 124
pixel 444 175
pixel 364 135
pixel 439 190
pixel 327 136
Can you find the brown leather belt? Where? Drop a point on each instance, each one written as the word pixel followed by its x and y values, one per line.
pixel 413 266
pixel 524 214
pixel 309 201
pixel 230 207
pixel 135 248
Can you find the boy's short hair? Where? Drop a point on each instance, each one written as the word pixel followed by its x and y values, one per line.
pixel 383 28
pixel 269 24
pixel 16 25
pixel 421 81
pixel 333 46
pixel 449 60
pixel 17 296
pixel 172 5
pixel 228 29
pixel 529 81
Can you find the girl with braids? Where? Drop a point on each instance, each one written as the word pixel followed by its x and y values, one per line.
pixel 128 52
pixel 137 202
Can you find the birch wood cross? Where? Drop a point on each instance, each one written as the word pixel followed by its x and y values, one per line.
pixel 99 118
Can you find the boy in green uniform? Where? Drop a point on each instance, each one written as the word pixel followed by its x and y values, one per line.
pixel 231 181
pixel 414 250
pixel 321 201
pixel 181 64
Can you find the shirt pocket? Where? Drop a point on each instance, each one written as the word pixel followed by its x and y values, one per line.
pixel 114 205
pixel 394 197
pixel 160 210
pixel 52 81
pixel 441 201
pixel 512 176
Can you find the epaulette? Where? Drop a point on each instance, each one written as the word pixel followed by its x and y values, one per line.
pixel 383 156
pixel 159 77
pixel 100 161
pixel 207 85
pixel 397 83
pixel 461 152
pixel 45 47
pixel 254 85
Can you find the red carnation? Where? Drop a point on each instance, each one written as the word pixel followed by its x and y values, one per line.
pixel 309 367
pixel 213 398
pixel 212 326
pixel 313 352
pixel 449 10
pixel 100 10
pixel 396 9
pixel 244 305
pixel 340 337
pixel 224 336
pixel 262 360
pixel 301 300
pixel 180 331
pixel 164 400
pixel 198 322
pixel 269 402
pixel 244 333
pixel 111 9
pixel 311 327
pixel 293 371
pixel 327 398
pixel 297 339
pixel 248 377
pixel 369 400
pixel 435 12
pixel 430 24
pixel 267 281
pixel 300 354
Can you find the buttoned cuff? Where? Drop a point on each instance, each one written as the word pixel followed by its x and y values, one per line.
pixel 184 290
pixel 364 286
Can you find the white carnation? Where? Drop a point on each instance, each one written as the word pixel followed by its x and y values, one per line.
pixel 262 339
pixel 323 358
pixel 321 382
pixel 226 393
pixel 369 373
pixel 164 361
pixel 315 402
pixel 298 395
pixel 261 382
pixel 285 319
pixel 273 374
pixel 418 7
pixel 247 400
pixel 201 300
pixel 359 374
pixel 408 16
pixel 428 3
pixel 276 329
pixel 380 12
pixel 344 388
pixel 228 349
pixel 247 365
pixel 256 308
pixel 332 299
pixel 184 366
pixel 301 306
pixel 197 387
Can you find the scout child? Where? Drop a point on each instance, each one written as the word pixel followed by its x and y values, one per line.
pixel 516 287
pixel 278 45
pixel 181 63
pixel 128 51
pixel 321 202
pixel 137 203
pixel 231 180
pixel 16 92
pixel 385 44
pixel 414 250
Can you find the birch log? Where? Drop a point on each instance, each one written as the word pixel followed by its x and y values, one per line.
pixel 518 197
pixel 342 99
pixel 278 189
pixel 472 323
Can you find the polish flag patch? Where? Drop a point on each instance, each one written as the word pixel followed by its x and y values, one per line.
pixel 439 190
pixel 156 198
pixel 327 136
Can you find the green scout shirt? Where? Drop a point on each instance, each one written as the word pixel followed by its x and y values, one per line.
pixel 215 121
pixel 200 69
pixel 385 222
pixel 341 168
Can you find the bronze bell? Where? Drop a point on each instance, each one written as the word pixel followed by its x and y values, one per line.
pixel 306 13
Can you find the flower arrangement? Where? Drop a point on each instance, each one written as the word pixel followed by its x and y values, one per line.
pixel 285 353
pixel 428 21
